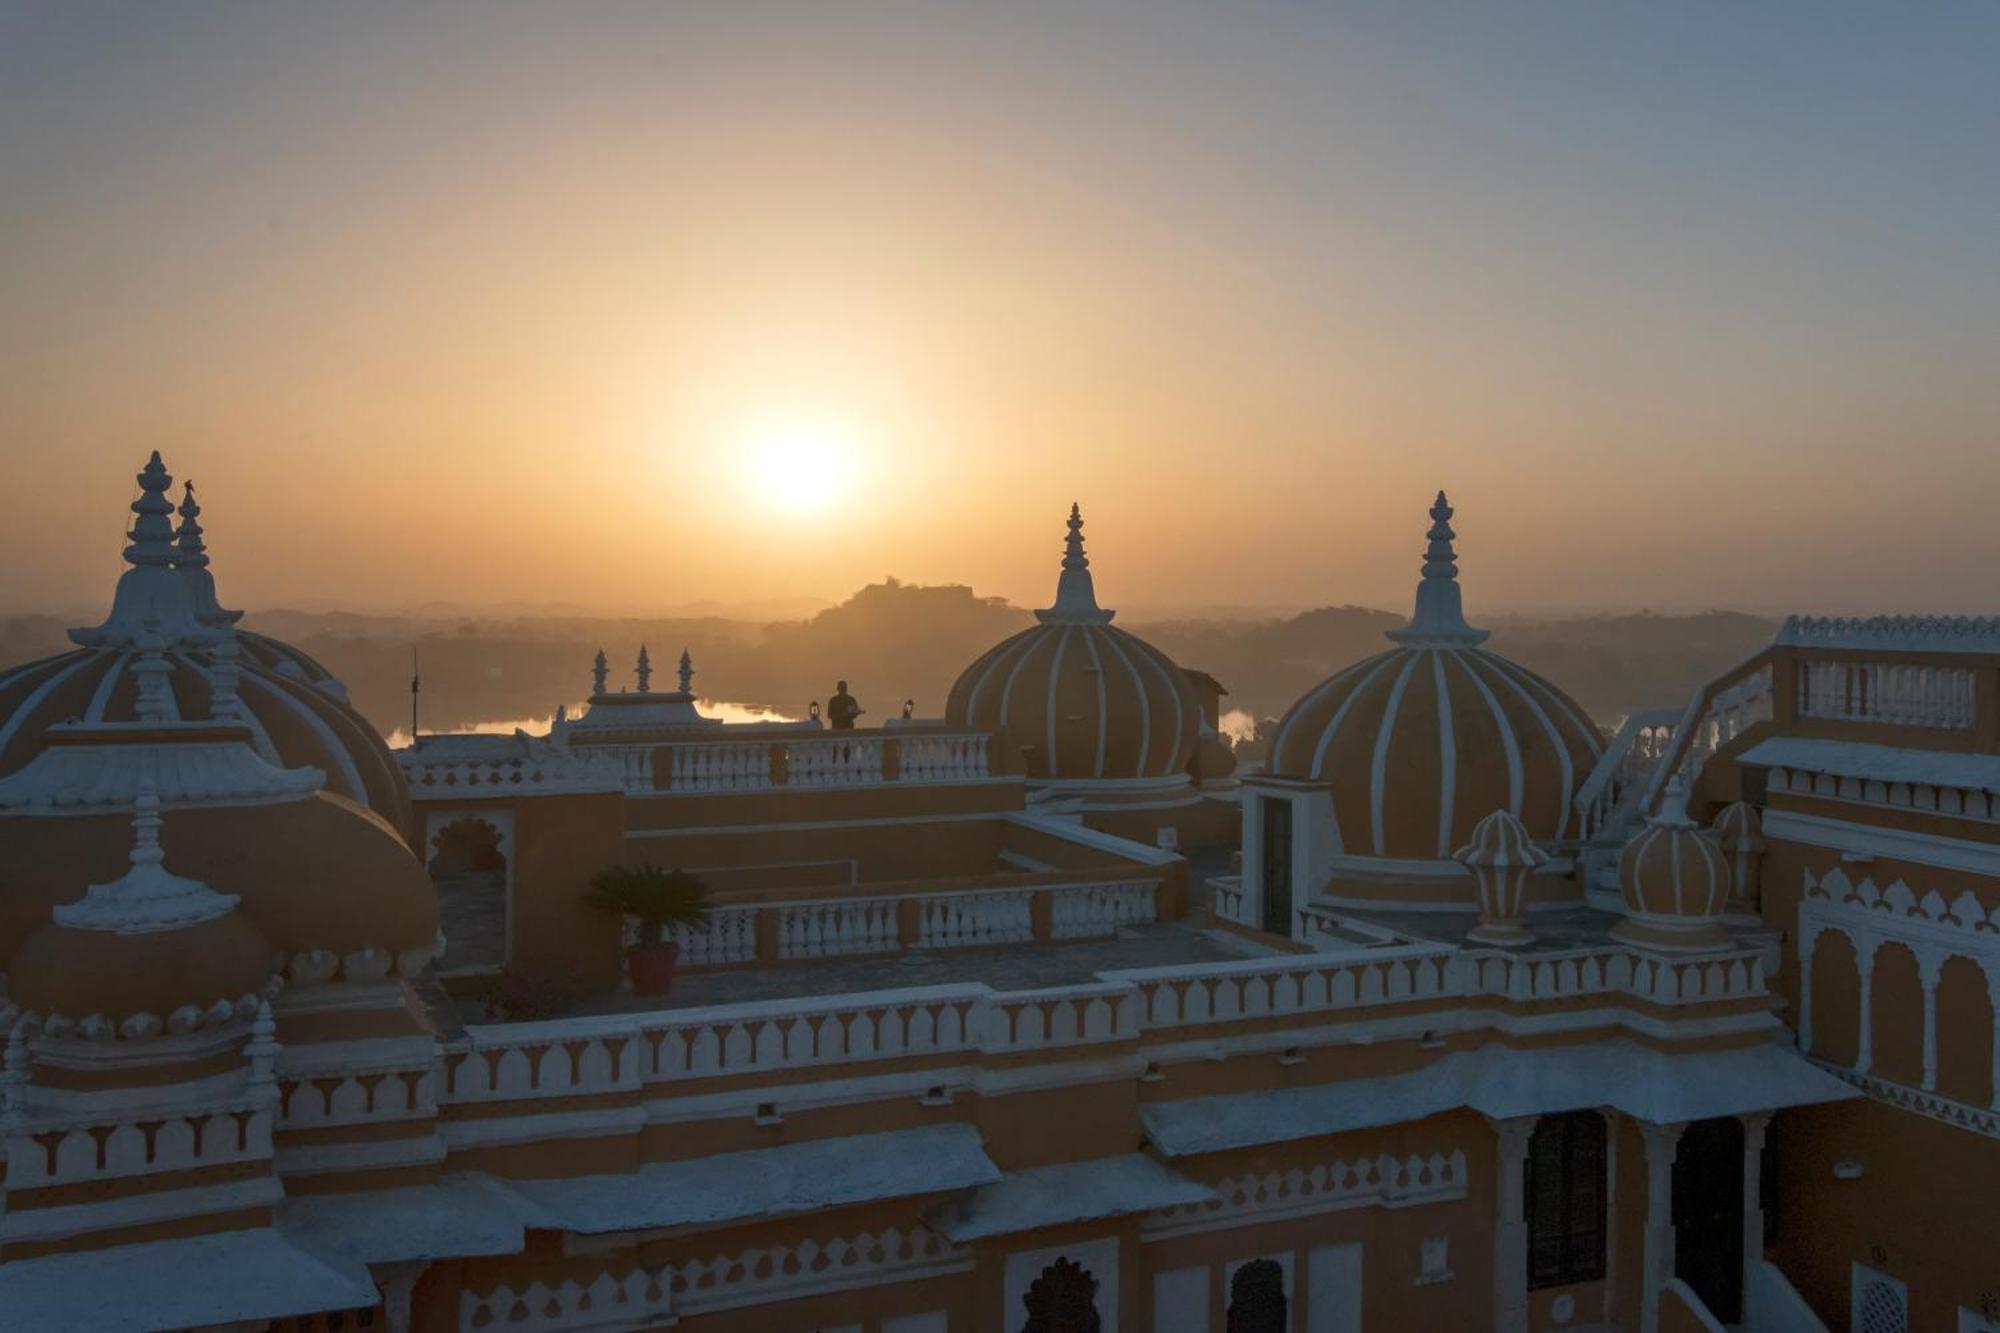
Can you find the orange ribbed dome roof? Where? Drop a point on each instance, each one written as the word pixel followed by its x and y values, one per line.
pixel 296 712
pixel 1424 740
pixel 1675 879
pixel 1076 699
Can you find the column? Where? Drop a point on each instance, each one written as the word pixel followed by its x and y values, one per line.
pixel 1510 1230
pixel 397 1282
pixel 1930 970
pixel 1864 1054
pixel 1808 945
pixel 1662 1142
pixel 1755 1123
pixel 1993 999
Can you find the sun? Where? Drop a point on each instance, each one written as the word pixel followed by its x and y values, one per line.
pixel 801 465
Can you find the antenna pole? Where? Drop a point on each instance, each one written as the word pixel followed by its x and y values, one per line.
pixel 416 683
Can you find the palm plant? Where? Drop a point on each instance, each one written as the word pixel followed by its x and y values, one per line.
pixel 657 898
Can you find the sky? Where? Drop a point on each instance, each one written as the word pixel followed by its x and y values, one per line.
pixel 629 306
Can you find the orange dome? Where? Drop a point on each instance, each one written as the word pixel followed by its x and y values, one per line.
pixel 1675 879
pixel 1077 699
pixel 1423 740
pixel 150 951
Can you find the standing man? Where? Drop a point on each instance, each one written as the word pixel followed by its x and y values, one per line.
pixel 841 710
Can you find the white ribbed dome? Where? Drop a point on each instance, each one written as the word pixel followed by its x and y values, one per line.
pixel 1076 699
pixel 1423 740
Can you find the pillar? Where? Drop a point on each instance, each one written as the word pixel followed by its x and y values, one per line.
pixel 1864 1055
pixel 397 1282
pixel 1993 999
pixel 1930 970
pixel 1510 1231
pixel 1662 1142
pixel 1755 1123
pixel 1808 945
pixel 1611 1126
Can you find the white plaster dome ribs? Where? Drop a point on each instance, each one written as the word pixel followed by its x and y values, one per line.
pixel 296 712
pixel 1076 699
pixel 1421 742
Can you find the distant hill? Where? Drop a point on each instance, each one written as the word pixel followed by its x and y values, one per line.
pixel 894 641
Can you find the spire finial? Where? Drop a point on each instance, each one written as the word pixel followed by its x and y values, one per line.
pixel 687 672
pixel 645 671
pixel 191 558
pixel 1439 618
pixel 1076 594
pixel 152 536
pixel 599 669
pixel 153 600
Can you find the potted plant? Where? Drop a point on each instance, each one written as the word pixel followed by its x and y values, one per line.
pixel 658 899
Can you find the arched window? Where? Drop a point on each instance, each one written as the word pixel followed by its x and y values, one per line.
pixel 1063 1300
pixel 1257 1299
pixel 1566 1180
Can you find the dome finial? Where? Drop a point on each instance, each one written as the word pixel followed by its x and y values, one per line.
pixel 148 897
pixel 645 671
pixel 600 667
pixel 192 560
pixel 152 600
pixel 1439 618
pixel 1076 594
pixel 687 672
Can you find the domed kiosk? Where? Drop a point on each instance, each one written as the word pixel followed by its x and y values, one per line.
pixel 1378 773
pixel 281 797
pixel 1099 721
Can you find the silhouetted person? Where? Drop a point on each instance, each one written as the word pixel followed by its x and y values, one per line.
pixel 841 710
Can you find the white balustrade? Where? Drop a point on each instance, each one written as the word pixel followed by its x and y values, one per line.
pixel 965 920
pixel 703 766
pixel 837 927
pixel 1230 899
pixel 786 1034
pixel 1083 910
pixel 930 758
pixel 557 1058
pixel 1891 693
pixel 841 762
pixel 729 937
pixel 40 1155
pixel 1058 1016
pixel 1296 984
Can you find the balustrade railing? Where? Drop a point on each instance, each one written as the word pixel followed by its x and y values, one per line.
pixel 966 920
pixel 1086 910
pixel 719 766
pixel 1891 693
pixel 1231 902
pixel 1295 984
pixel 835 762
pixel 831 929
pixel 925 758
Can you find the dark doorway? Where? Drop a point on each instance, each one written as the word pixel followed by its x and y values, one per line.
pixel 1063 1300
pixel 1708 1214
pixel 470 872
pixel 1277 865
pixel 1257 1301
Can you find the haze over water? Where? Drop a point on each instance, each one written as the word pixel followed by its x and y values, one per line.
pixel 639 305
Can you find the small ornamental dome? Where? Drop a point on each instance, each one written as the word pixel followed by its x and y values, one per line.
pixel 1740 830
pixel 1501 856
pixel 147 953
pixel 1420 741
pixel 1675 880
pixel 295 710
pixel 1076 699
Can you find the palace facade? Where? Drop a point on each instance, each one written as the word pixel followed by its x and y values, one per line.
pixel 1499 1019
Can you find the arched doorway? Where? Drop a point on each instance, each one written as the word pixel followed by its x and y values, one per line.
pixel 1708 1214
pixel 1063 1300
pixel 469 866
pixel 1257 1301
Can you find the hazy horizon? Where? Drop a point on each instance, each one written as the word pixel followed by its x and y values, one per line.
pixel 615 305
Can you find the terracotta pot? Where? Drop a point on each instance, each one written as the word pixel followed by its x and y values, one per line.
pixel 652 967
